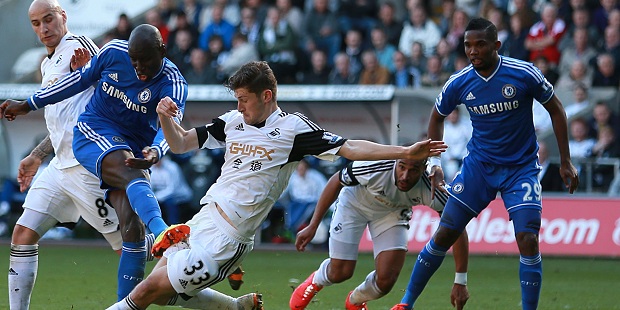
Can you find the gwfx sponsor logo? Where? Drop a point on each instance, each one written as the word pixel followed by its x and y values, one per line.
pixel 250 150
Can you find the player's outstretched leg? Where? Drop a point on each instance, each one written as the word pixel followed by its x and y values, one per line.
pixel 235 279
pixel 304 293
pixel 349 305
pixel 252 301
pixel 170 236
pixel 212 299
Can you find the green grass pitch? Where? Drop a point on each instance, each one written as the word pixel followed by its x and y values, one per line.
pixel 73 277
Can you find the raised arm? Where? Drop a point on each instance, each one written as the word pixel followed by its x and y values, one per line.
pixel 179 139
pixel 327 198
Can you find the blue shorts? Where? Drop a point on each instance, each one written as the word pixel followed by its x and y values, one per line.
pixel 478 183
pixel 93 141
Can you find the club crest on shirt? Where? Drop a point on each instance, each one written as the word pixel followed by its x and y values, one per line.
pixel 118 139
pixel 509 91
pixel 332 138
pixel 458 188
pixel 274 134
pixel 144 96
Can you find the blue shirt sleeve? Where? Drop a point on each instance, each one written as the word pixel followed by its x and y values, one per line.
pixel 541 89
pixel 70 85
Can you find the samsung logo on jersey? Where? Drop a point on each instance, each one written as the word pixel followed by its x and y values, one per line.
pixel 113 92
pixel 495 107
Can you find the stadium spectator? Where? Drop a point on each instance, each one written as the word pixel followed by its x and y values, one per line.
pixel 167 10
pixel 353 48
pixel 606 73
pixel 445 20
pixel 230 12
pixel 600 16
pixel 404 76
pixel 434 76
pixel 216 54
pixel 181 23
pixel 419 28
pixel 260 7
pixel 545 35
pixel 341 73
pixel 382 48
pixel 603 116
pixel 372 72
pixel 292 14
pixel 547 69
pixel 321 30
pixel 580 143
pixel 580 100
pixel 446 55
pixel 515 43
pixel 154 18
pixel 249 26
pixel 417 59
pixel 523 8
pixel 497 17
pixel 581 20
pixel 217 26
pixel 122 29
pixel 611 44
pixel 237 204
pixel 242 51
pixel 455 33
pixel 318 74
pixel 578 50
pixel 579 73
pixel 200 71
pixel 180 52
pixel 277 45
pixel 193 10
pixel 377 195
pixel 358 14
pixel 392 27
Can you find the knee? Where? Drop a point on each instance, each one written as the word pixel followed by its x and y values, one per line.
pixel 24 236
pixel 132 230
pixel 338 276
pixel 528 243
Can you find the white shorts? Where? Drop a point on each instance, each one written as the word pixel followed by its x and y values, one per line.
pixel 212 256
pixel 68 194
pixel 348 225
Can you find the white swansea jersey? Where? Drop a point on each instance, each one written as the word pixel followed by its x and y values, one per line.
pixel 60 118
pixel 370 186
pixel 259 161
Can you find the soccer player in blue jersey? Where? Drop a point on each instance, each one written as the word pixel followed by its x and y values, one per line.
pixel 118 137
pixel 498 93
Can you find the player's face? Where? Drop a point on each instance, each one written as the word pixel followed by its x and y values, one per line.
pixel 48 23
pixel 146 62
pixel 253 107
pixel 481 51
pixel 407 173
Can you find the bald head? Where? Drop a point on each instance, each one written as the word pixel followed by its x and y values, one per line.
pixel 146 50
pixel 48 21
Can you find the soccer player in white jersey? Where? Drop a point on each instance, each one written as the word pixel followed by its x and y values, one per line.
pixel 377 194
pixel 498 93
pixel 64 191
pixel 263 146
pixel 117 137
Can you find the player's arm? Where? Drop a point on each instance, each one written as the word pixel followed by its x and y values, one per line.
pixel 366 150
pixel 30 164
pixel 327 198
pixel 435 132
pixel 179 139
pixel 560 128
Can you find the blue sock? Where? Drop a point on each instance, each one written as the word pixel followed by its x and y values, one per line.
pixel 130 267
pixel 530 274
pixel 429 260
pixel 144 203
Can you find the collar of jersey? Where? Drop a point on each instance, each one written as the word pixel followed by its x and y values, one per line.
pixel 499 64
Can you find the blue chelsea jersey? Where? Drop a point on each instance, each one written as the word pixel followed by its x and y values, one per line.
pixel 500 109
pixel 120 98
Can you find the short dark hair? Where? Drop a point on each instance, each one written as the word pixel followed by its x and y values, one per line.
pixel 256 76
pixel 481 24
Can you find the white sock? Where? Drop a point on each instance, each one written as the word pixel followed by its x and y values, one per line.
pixel 206 299
pixel 367 290
pixel 23 265
pixel 125 304
pixel 320 276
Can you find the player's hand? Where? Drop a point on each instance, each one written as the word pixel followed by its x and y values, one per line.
pixel 437 180
pixel 151 157
pixel 26 171
pixel 459 296
pixel 426 148
pixel 569 175
pixel 10 109
pixel 80 57
pixel 304 237
pixel 167 108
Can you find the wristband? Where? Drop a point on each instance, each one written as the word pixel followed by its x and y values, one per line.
pixel 460 278
pixel 434 161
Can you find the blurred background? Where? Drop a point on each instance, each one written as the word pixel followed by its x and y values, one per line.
pixel 363 69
